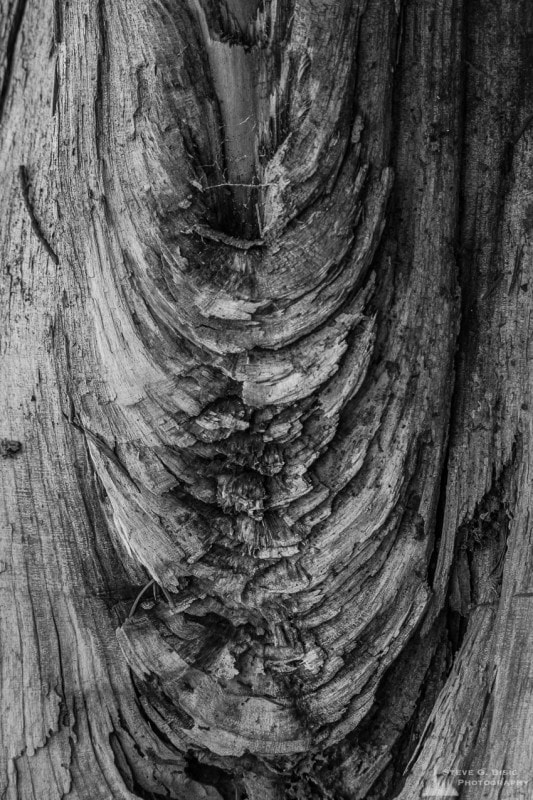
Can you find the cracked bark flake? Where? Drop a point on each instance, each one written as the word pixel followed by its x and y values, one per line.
pixel 266 329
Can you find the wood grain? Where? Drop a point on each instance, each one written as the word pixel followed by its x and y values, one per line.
pixel 268 353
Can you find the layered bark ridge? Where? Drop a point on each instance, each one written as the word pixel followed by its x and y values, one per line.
pixel 262 460
pixel 261 214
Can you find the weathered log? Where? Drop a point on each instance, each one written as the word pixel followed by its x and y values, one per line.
pixel 266 406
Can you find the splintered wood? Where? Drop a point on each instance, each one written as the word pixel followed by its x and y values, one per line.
pixel 266 430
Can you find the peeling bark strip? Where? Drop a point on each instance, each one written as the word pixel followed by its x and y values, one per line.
pixel 239 556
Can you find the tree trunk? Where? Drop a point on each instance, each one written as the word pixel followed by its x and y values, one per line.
pixel 266 401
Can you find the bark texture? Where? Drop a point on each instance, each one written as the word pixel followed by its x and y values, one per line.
pixel 266 410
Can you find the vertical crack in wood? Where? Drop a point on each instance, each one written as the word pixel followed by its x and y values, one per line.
pixel 25 189
pixel 14 25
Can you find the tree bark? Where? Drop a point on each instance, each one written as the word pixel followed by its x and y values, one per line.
pixel 266 401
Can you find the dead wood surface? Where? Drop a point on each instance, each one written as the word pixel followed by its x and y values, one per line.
pixel 264 333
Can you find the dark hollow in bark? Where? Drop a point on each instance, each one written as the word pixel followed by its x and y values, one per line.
pixel 266 407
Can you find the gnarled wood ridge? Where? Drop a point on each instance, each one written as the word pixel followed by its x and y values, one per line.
pixel 254 221
pixel 239 462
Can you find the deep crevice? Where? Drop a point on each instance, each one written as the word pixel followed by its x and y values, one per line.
pixel 229 786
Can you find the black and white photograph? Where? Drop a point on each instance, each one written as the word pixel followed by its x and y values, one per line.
pixel 266 399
